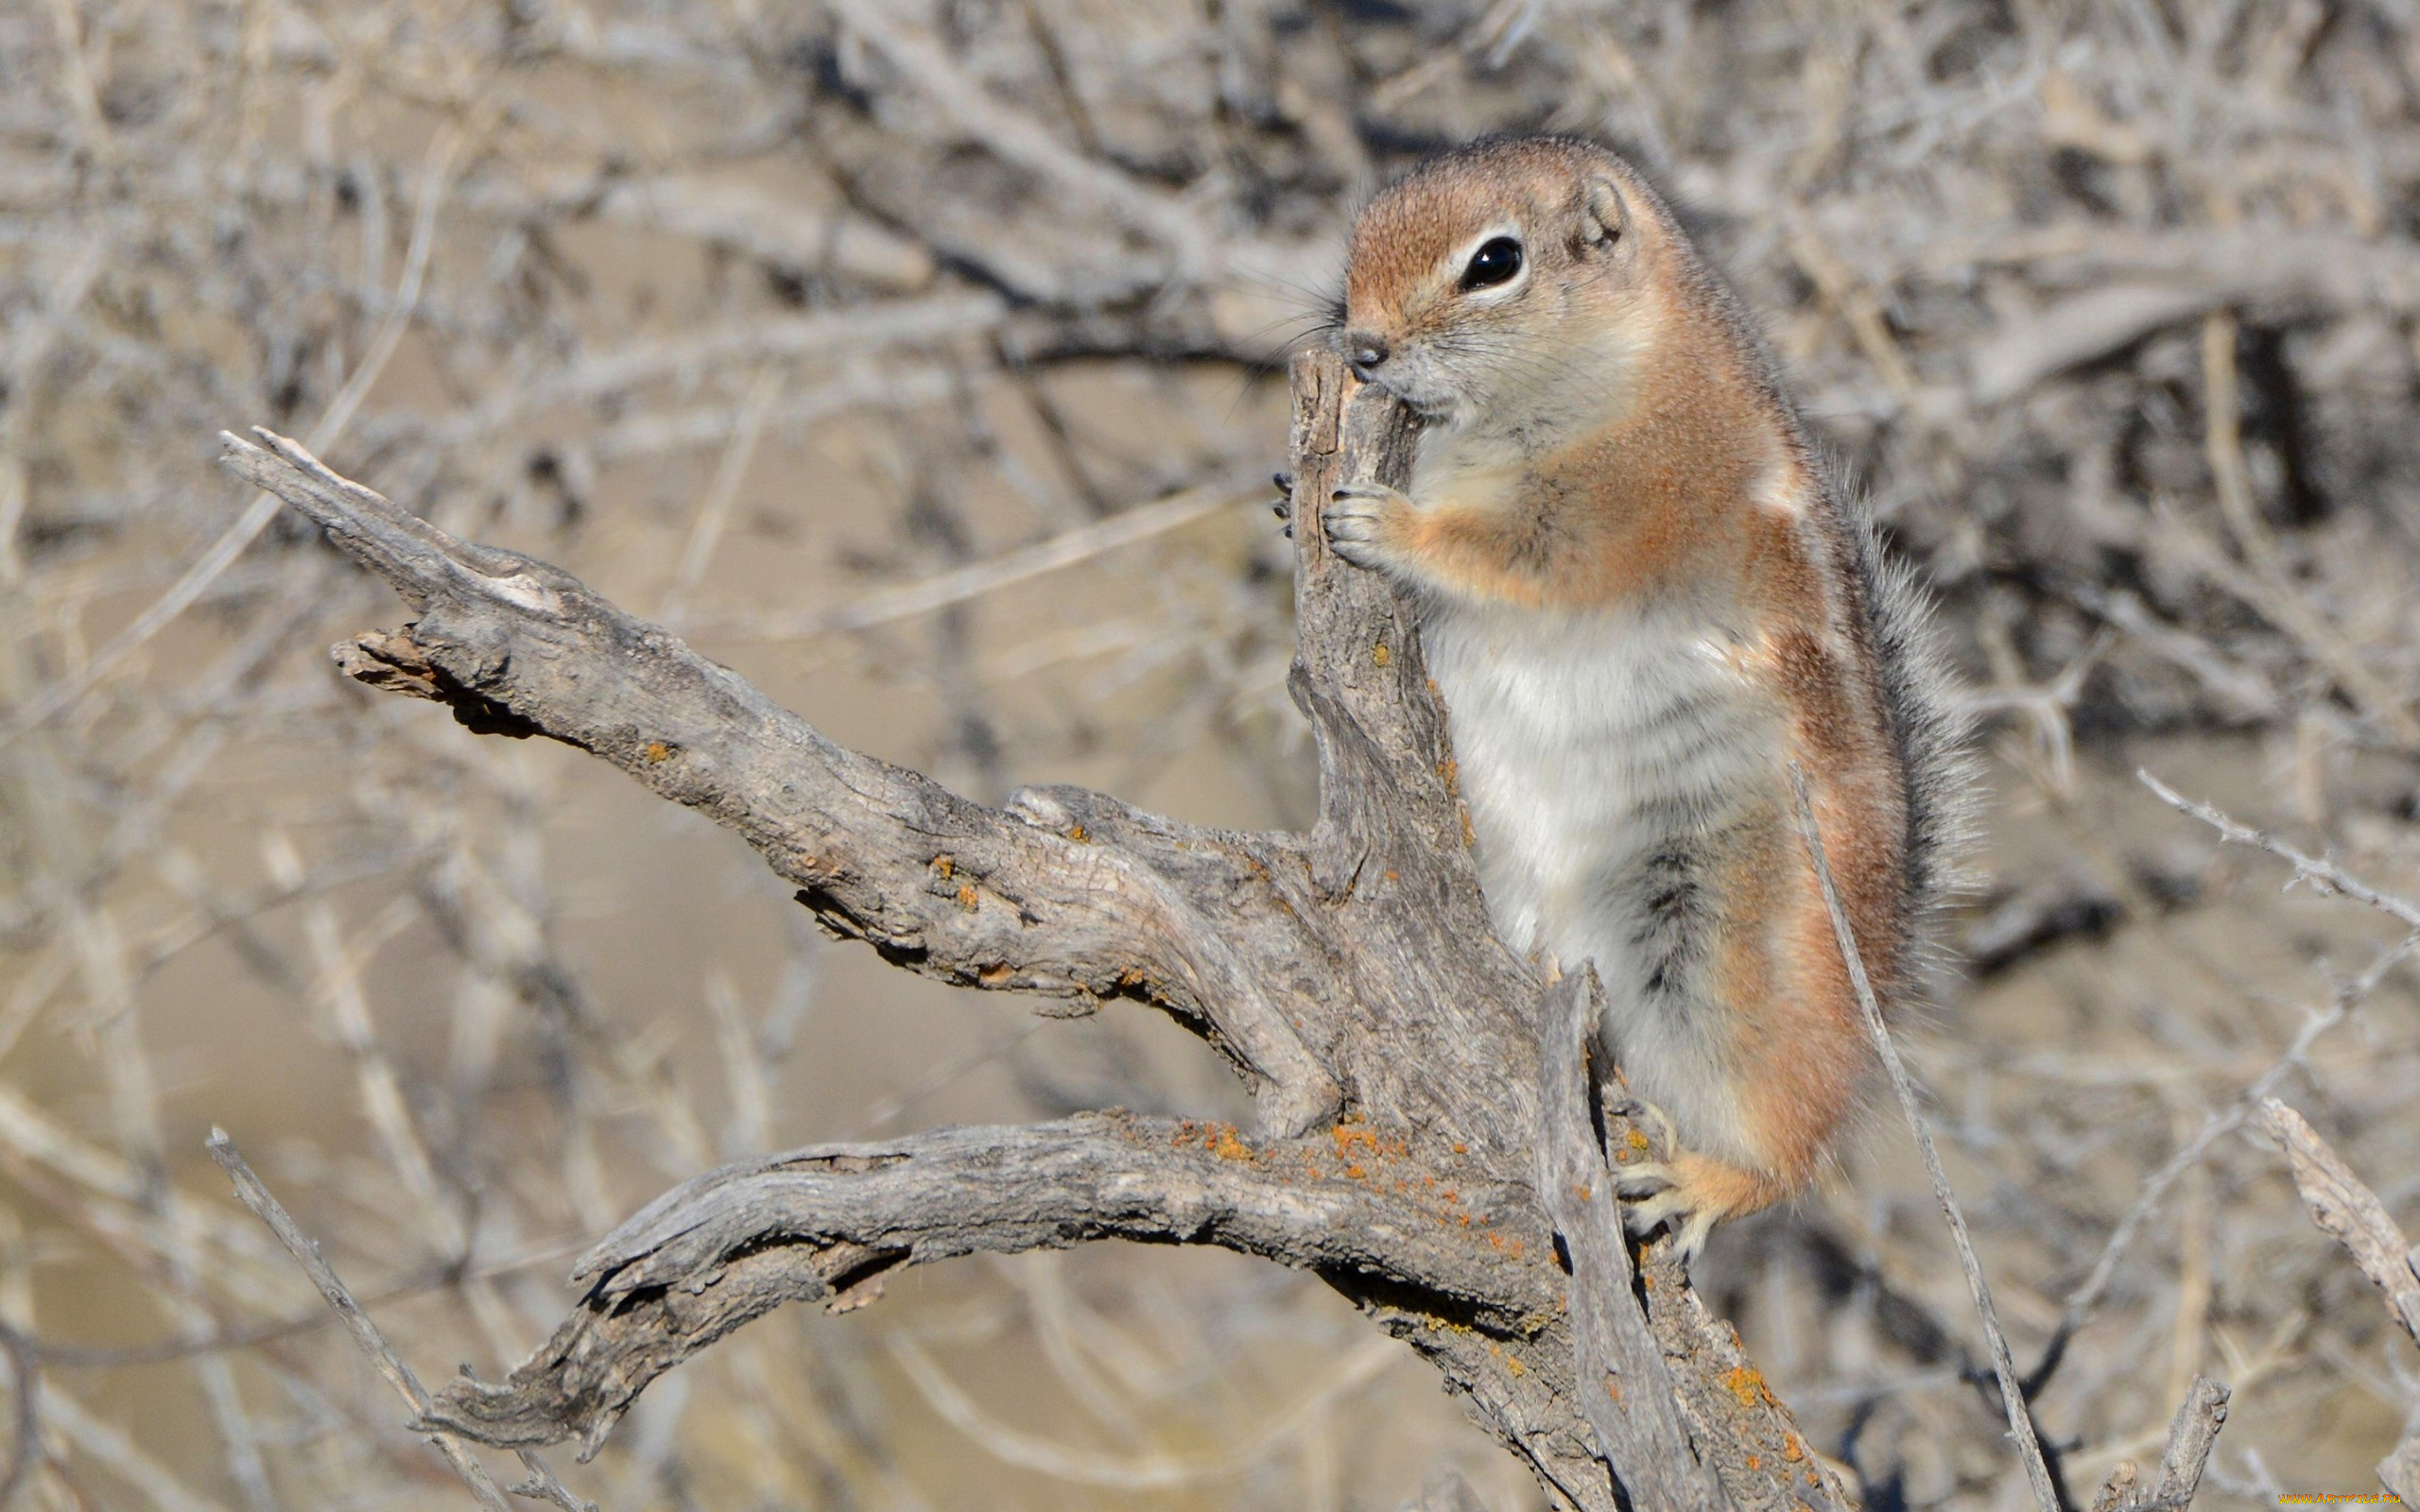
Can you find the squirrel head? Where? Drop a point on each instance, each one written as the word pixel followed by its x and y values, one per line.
pixel 1508 285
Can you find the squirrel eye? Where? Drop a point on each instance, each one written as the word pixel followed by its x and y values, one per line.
pixel 1497 261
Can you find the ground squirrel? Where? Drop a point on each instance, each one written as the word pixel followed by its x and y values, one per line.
pixel 1643 598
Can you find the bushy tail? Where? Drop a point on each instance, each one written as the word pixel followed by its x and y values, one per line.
pixel 1929 723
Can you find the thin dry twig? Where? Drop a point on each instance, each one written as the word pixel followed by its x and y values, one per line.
pixel 2081 1303
pixel 180 1346
pixel 2020 1419
pixel 2326 875
pixel 1158 1470
pixel 109 1444
pixel 714 509
pixel 1068 548
pixel 373 1344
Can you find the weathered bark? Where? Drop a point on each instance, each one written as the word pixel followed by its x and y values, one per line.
pixel 828 1222
pixel 1618 1378
pixel 1393 1043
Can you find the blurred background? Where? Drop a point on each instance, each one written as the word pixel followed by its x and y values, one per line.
pixel 923 361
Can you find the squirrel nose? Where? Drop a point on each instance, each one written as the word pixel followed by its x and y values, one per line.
pixel 1365 353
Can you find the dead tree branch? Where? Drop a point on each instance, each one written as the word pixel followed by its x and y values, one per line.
pixel 1350 974
pixel 2350 1212
pixel 1098 904
pixel 2190 1439
pixel 2189 1442
pixel 829 1223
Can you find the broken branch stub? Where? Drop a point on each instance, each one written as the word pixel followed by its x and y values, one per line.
pixel 2348 1212
pixel 1390 1040
pixel 2345 1208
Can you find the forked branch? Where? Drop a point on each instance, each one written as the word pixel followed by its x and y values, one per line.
pixel 1349 973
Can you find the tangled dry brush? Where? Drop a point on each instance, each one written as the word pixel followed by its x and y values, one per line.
pixel 925 363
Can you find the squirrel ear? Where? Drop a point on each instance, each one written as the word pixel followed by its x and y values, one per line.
pixel 1606 211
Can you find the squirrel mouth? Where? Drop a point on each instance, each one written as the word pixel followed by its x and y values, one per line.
pixel 1432 409
pixel 1422 399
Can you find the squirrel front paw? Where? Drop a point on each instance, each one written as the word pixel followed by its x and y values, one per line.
pixel 1365 522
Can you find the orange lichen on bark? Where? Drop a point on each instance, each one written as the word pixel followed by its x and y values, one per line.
pixel 1747 1385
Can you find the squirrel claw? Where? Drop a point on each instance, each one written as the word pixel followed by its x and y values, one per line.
pixel 1690 1223
pixel 1654 1195
pixel 1653 1192
pixel 1688 1192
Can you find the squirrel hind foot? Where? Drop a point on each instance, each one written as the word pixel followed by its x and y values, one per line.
pixel 1620 1101
pixel 1690 1194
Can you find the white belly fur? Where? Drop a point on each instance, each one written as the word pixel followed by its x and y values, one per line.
pixel 1603 756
